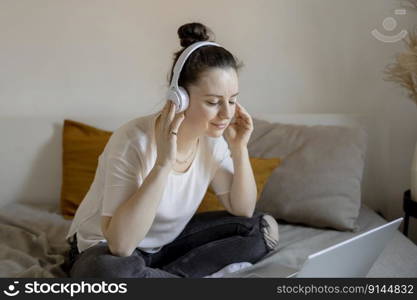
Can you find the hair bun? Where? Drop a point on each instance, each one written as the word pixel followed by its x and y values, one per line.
pixel 193 32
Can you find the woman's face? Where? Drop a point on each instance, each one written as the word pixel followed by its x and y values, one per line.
pixel 212 101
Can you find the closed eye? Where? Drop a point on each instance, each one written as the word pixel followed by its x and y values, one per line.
pixel 216 103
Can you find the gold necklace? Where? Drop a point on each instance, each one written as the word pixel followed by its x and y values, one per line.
pixel 192 152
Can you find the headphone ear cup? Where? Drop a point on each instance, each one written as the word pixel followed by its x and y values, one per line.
pixel 184 99
pixel 174 96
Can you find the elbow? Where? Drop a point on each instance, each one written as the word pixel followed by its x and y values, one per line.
pixel 248 215
pixel 242 210
pixel 116 248
pixel 243 214
pixel 123 253
pixel 119 251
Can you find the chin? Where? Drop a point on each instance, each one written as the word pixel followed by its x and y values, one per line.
pixel 215 134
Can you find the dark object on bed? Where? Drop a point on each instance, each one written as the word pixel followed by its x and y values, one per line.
pixel 410 209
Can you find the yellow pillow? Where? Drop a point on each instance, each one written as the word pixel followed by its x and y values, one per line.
pixel 82 145
pixel 262 168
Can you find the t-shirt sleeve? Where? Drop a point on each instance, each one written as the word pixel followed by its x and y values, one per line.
pixel 123 177
pixel 223 176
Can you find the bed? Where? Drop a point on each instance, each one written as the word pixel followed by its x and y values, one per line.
pixel 32 230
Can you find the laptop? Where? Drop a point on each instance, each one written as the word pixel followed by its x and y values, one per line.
pixel 351 258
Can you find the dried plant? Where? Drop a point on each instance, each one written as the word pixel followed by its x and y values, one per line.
pixel 404 70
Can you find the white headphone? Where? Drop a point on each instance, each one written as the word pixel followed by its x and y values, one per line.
pixel 178 94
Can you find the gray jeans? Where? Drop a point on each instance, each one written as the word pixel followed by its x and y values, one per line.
pixel 209 242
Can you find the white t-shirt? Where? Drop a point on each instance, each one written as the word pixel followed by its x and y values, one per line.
pixel 126 160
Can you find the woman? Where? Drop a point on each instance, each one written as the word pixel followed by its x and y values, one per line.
pixel 138 218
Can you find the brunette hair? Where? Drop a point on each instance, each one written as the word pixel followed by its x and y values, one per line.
pixel 203 58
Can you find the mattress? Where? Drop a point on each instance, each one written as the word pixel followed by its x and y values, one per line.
pixel 32 244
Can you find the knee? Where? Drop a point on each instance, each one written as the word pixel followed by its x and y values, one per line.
pixel 109 266
pixel 93 266
pixel 266 228
pixel 270 232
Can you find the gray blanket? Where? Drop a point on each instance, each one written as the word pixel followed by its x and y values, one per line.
pixel 32 244
pixel 32 241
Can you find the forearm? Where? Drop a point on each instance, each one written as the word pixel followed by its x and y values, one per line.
pixel 244 192
pixel 133 218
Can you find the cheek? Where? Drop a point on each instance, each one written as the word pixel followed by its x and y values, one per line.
pixel 206 112
pixel 201 114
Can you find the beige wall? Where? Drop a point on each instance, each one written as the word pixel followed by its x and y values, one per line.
pixel 84 58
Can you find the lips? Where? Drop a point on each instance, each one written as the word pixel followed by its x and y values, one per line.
pixel 219 126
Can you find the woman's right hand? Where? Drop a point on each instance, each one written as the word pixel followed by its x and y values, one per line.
pixel 166 142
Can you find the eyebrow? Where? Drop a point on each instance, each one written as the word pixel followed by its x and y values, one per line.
pixel 213 95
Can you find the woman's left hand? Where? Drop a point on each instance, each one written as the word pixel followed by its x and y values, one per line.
pixel 238 133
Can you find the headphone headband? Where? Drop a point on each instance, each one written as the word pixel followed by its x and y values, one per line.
pixel 183 57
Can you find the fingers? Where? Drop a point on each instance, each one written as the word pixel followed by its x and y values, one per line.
pixel 243 114
pixel 171 114
pixel 166 106
pixel 168 115
pixel 170 121
pixel 177 123
pixel 165 111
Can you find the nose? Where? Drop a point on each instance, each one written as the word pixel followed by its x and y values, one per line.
pixel 226 111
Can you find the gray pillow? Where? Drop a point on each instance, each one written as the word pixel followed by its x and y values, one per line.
pixel 319 180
